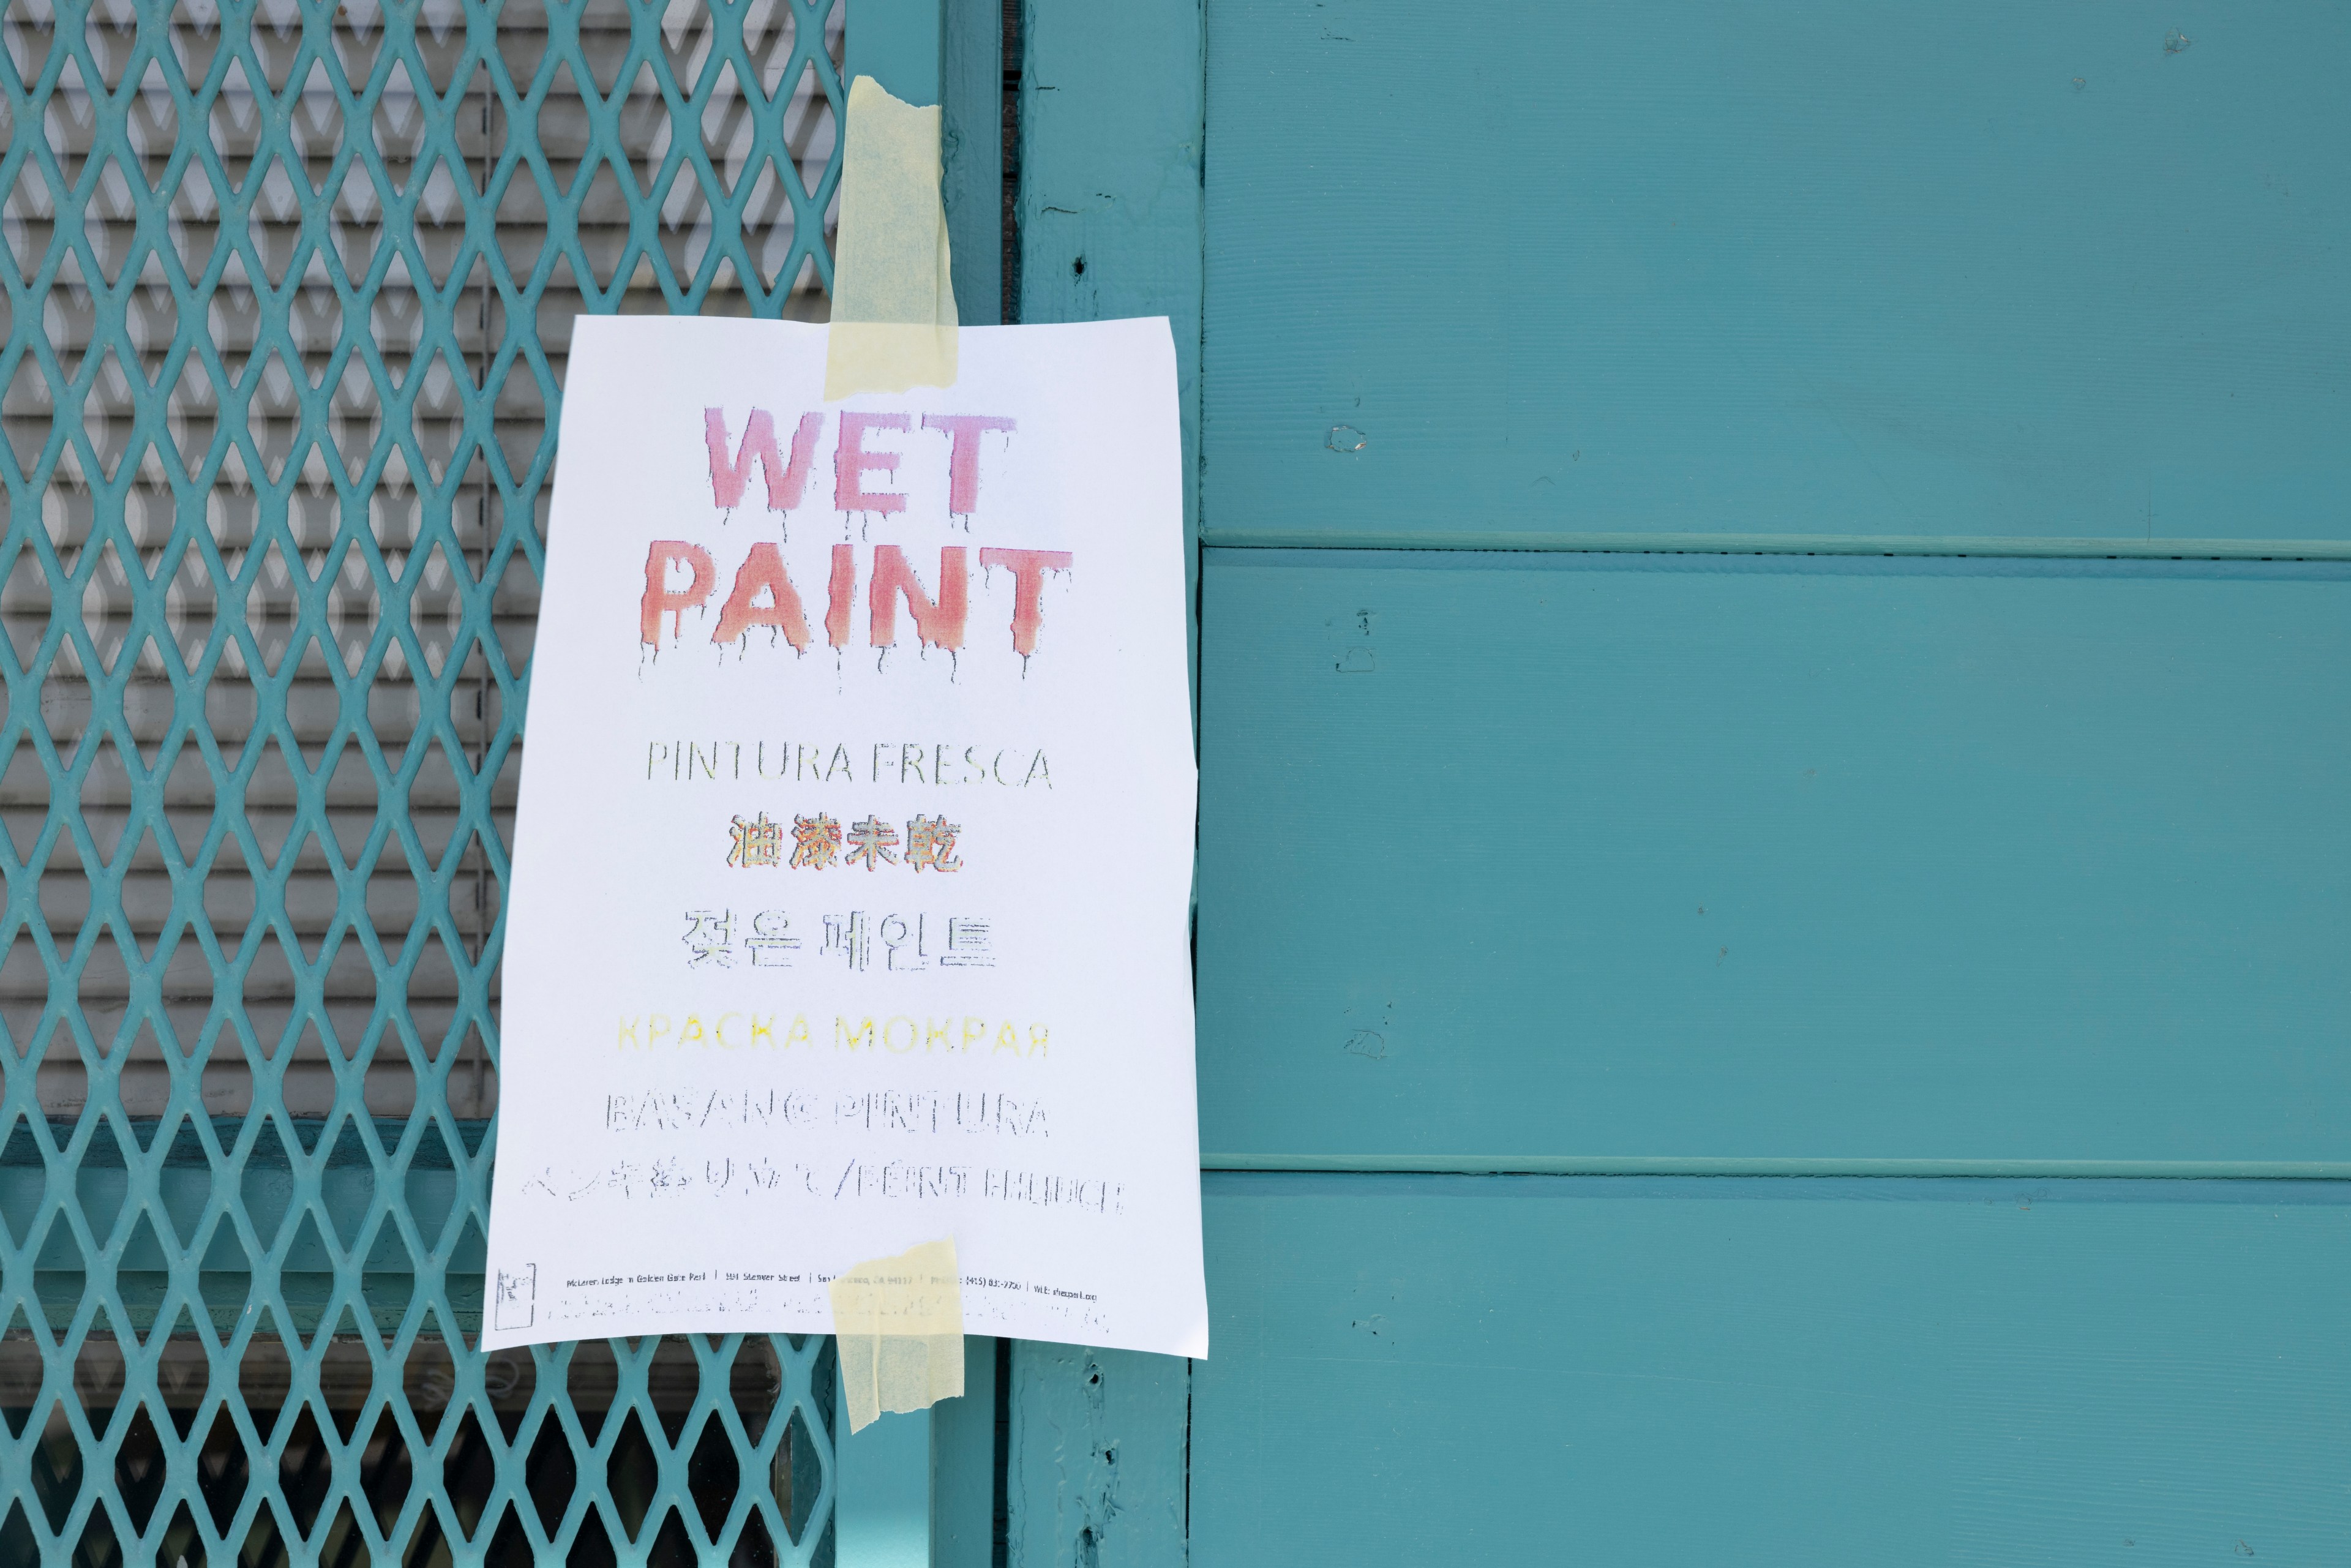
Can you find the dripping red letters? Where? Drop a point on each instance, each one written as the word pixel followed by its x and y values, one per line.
pixel 870 449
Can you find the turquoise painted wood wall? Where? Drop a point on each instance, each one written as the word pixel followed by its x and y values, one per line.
pixel 1710 268
pixel 1827 1044
pixel 1769 857
pixel 1714 1370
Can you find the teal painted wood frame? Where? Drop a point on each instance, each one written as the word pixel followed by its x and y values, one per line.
pixel 919 1488
pixel 1110 218
pixel 1350 403
pixel 882 1505
pixel 950 53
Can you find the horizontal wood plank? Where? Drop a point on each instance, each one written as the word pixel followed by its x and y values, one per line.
pixel 1766 858
pixel 1707 268
pixel 1762 1372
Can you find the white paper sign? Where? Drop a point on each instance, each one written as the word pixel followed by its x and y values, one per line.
pixel 854 845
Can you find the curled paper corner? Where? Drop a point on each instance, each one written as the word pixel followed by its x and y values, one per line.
pixel 893 310
pixel 898 1325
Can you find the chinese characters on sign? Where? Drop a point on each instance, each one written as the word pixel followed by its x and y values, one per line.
pixel 758 842
pixel 832 690
pixel 930 843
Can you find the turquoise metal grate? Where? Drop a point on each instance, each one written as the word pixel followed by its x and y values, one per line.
pixel 288 286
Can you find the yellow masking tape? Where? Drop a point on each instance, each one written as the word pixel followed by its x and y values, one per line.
pixel 893 310
pixel 898 1323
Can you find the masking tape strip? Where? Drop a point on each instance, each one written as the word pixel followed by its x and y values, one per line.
pixel 898 1325
pixel 893 310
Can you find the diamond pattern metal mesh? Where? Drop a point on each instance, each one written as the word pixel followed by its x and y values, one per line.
pixel 287 287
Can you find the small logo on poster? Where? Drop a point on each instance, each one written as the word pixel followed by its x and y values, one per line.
pixel 518 1301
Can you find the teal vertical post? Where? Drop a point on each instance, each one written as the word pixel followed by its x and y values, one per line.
pixel 962 1465
pixel 900 44
pixel 1113 133
pixel 918 1491
pixel 881 1507
pixel 971 156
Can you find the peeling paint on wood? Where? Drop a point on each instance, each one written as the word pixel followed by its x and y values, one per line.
pixel 1097 1468
pixel 1109 211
